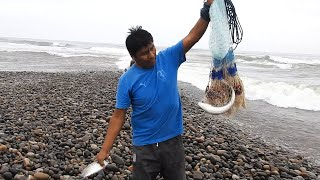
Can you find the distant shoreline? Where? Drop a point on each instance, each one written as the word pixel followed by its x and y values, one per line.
pixel 237 51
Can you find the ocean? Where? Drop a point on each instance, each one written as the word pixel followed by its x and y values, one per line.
pixel 282 90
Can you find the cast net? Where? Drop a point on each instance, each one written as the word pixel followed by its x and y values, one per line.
pixel 224 81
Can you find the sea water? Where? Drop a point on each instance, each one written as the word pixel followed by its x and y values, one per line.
pixel 283 90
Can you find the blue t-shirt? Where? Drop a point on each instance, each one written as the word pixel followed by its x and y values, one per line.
pixel 153 93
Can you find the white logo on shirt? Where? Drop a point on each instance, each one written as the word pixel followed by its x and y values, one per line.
pixel 162 75
pixel 143 84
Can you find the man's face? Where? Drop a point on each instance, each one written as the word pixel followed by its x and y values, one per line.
pixel 146 56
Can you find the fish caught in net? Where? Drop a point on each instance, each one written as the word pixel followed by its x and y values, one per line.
pixel 225 91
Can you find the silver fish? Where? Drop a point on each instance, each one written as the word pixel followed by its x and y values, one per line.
pixel 218 110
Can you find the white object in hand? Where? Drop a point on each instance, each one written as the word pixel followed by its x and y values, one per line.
pixel 93 168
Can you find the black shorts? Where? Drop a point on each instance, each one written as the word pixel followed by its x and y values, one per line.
pixel 166 159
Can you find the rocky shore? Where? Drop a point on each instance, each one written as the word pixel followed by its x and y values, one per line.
pixel 53 124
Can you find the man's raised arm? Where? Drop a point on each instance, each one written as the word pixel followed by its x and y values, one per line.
pixel 199 28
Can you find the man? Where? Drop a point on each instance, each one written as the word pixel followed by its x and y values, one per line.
pixel 150 87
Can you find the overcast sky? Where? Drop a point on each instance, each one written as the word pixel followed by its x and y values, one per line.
pixel 291 26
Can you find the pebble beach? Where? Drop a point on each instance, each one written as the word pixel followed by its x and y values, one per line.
pixel 53 124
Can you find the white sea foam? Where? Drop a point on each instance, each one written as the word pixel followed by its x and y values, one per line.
pixel 295 61
pixel 283 59
pixel 124 62
pixel 59 44
pixel 197 74
pixel 266 63
pixel 108 50
pixel 282 94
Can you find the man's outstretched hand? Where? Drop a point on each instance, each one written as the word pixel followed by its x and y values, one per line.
pixel 101 156
pixel 209 2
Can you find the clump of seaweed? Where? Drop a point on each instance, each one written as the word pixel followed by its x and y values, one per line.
pixel 218 93
pixel 233 79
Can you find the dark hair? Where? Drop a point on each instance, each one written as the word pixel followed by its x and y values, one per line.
pixel 137 39
pixel 132 62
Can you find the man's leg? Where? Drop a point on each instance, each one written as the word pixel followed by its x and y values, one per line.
pixel 146 163
pixel 172 155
